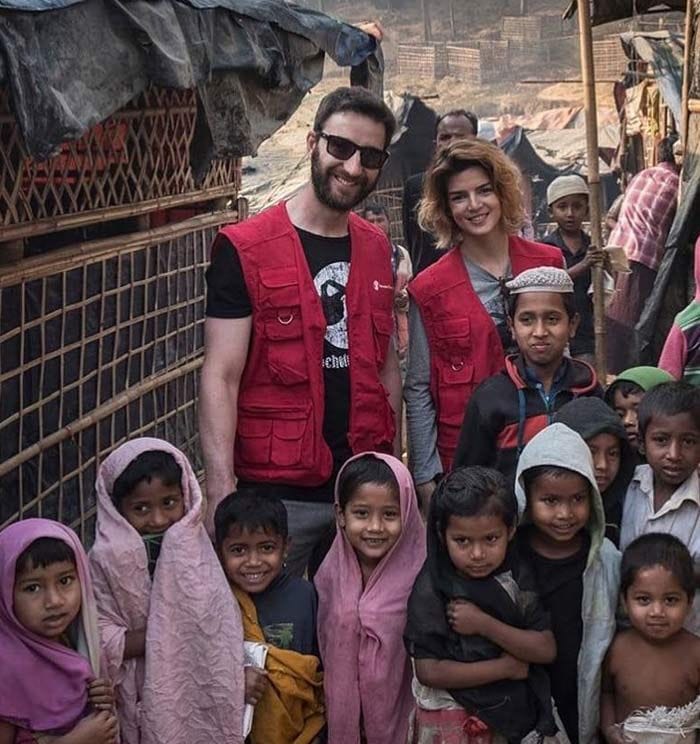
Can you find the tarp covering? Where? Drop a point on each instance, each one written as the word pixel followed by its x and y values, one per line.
pixel 252 61
pixel 605 11
pixel 663 51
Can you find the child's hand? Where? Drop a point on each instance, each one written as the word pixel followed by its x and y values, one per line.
pixel 595 257
pixel 255 684
pixel 466 618
pixel 97 728
pixel 101 694
pixel 515 669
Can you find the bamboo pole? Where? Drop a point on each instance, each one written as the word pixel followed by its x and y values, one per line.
pixel 588 76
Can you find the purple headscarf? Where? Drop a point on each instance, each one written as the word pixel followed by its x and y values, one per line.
pixel 43 684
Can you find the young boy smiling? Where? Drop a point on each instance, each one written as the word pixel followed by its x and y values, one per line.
pixel 576 568
pixel 278 610
pixel 508 409
pixel 664 495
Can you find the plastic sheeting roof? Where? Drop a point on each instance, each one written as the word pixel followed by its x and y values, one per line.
pixel 605 11
pixel 251 61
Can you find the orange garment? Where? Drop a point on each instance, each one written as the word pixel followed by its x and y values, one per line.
pixel 291 710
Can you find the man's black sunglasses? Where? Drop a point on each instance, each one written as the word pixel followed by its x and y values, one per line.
pixel 343 149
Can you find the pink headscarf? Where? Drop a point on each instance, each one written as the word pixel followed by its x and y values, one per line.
pixel 43 684
pixel 190 685
pixel 366 668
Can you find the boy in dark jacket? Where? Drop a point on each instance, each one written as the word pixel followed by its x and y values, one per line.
pixel 508 409
pixel 614 459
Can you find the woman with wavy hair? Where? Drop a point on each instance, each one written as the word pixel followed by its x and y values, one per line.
pixel 472 203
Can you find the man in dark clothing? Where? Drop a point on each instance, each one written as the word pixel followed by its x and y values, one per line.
pixel 454 125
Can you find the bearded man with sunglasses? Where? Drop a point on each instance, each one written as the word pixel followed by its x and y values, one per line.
pixel 300 370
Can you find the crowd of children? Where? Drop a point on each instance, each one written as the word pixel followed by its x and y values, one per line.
pixel 509 615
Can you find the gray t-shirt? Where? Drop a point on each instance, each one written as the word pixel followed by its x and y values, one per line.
pixel 421 419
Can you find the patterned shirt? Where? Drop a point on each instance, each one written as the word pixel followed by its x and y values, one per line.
pixel 646 215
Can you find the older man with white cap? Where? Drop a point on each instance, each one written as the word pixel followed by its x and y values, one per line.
pixel 567 197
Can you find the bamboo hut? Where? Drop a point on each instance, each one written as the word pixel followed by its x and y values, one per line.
pixel 117 166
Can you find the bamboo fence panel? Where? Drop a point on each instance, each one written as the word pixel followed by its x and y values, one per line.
pixel 97 348
pixel 134 162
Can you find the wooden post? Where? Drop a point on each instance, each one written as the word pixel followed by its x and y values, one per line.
pixel 427 30
pixel 685 106
pixel 588 76
pixel 453 22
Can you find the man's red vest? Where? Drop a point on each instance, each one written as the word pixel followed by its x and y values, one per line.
pixel 464 344
pixel 279 437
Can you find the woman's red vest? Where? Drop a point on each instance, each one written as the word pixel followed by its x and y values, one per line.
pixel 464 344
pixel 279 436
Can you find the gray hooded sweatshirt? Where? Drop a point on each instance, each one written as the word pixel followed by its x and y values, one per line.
pixel 559 446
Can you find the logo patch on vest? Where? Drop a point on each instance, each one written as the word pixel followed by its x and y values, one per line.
pixel 330 283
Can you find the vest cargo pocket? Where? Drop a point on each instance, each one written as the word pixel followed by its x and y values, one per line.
pixel 286 355
pixel 276 435
pixel 290 443
pixel 455 388
pixel 253 438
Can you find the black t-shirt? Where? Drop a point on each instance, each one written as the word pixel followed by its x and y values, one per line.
pixel 560 586
pixel 329 264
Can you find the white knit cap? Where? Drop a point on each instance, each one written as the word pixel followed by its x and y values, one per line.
pixel 541 279
pixel 566 186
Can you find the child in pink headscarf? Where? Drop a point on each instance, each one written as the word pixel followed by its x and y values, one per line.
pixel 49 645
pixel 170 626
pixel 363 586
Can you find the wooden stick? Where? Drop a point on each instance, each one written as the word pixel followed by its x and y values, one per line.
pixel 588 75
pixel 79 219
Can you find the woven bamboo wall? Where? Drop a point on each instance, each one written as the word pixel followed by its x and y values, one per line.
pixel 132 163
pixel 422 62
pixel 98 344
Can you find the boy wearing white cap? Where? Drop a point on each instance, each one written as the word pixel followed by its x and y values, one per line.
pixel 509 408
pixel 567 197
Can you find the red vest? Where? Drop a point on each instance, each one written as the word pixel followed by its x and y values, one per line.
pixel 279 437
pixel 464 344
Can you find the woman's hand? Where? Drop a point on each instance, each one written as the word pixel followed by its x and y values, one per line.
pixel 515 669
pixel 256 683
pixel 101 694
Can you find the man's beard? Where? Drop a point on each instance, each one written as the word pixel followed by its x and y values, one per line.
pixel 321 181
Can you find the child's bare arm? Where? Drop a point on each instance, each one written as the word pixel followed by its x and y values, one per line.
pixel 447 674
pixel 134 644
pixel 612 733
pixel 7 733
pixel 532 646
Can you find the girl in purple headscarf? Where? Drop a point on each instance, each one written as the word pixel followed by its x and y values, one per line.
pixel 50 686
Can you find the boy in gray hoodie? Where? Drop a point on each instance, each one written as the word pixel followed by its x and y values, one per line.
pixel 577 569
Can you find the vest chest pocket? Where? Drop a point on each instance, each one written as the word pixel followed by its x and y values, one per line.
pixel 382 327
pixel 279 436
pixel 452 336
pixel 286 353
pixel 280 306
pixel 456 384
